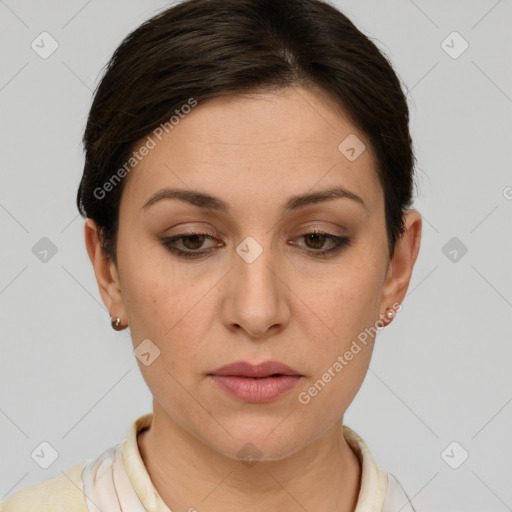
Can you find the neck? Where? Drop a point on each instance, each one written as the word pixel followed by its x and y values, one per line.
pixel 189 475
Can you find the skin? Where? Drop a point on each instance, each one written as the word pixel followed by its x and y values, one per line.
pixel 253 152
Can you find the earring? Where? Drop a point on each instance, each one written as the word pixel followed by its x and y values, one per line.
pixel 116 324
pixel 390 314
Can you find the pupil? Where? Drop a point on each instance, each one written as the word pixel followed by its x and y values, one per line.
pixel 315 238
pixel 197 238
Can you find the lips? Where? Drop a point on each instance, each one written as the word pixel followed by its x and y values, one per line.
pixel 265 369
pixel 259 383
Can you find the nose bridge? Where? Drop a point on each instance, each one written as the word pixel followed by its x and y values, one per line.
pixel 254 268
pixel 256 301
pixel 256 261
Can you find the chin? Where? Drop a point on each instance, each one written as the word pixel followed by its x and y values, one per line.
pixel 253 441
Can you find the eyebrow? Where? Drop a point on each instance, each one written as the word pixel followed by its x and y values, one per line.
pixel 210 202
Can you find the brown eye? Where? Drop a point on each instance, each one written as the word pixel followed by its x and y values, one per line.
pixel 317 240
pixel 196 241
pixel 187 245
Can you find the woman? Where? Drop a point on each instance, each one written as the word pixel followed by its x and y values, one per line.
pixel 247 191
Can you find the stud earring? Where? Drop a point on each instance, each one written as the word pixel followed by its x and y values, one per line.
pixel 390 314
pixel 116 324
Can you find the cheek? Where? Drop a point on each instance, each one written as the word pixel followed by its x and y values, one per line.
pixel 169 310
pixel 145 300
pixel 341 364
pixel 353 299
pixel 349 308
pixel 152 290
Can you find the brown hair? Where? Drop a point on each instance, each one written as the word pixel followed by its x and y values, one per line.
pixel 203 49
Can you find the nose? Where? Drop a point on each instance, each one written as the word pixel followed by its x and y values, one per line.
pixel 256 295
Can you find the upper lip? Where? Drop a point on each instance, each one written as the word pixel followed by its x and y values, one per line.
pixel 264 369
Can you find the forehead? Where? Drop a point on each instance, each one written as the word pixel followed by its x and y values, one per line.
pixel 262 146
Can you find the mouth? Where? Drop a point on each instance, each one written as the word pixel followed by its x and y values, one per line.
pixel 261 370
pixel 258 383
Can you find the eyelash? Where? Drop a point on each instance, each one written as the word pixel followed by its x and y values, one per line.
pixel 339 243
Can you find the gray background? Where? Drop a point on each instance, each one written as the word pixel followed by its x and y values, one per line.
pixel 440 372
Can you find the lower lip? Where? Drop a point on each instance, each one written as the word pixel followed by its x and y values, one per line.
pixel 256 390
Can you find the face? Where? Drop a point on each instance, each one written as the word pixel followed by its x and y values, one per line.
pixel 259 270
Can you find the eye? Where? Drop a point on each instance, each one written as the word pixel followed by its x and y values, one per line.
pixel 316 240
pixel 191 243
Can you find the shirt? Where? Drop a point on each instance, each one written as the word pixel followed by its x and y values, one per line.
pixel 117 481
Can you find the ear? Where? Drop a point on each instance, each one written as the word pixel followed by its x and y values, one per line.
pixel 105 271
pixel 401 265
